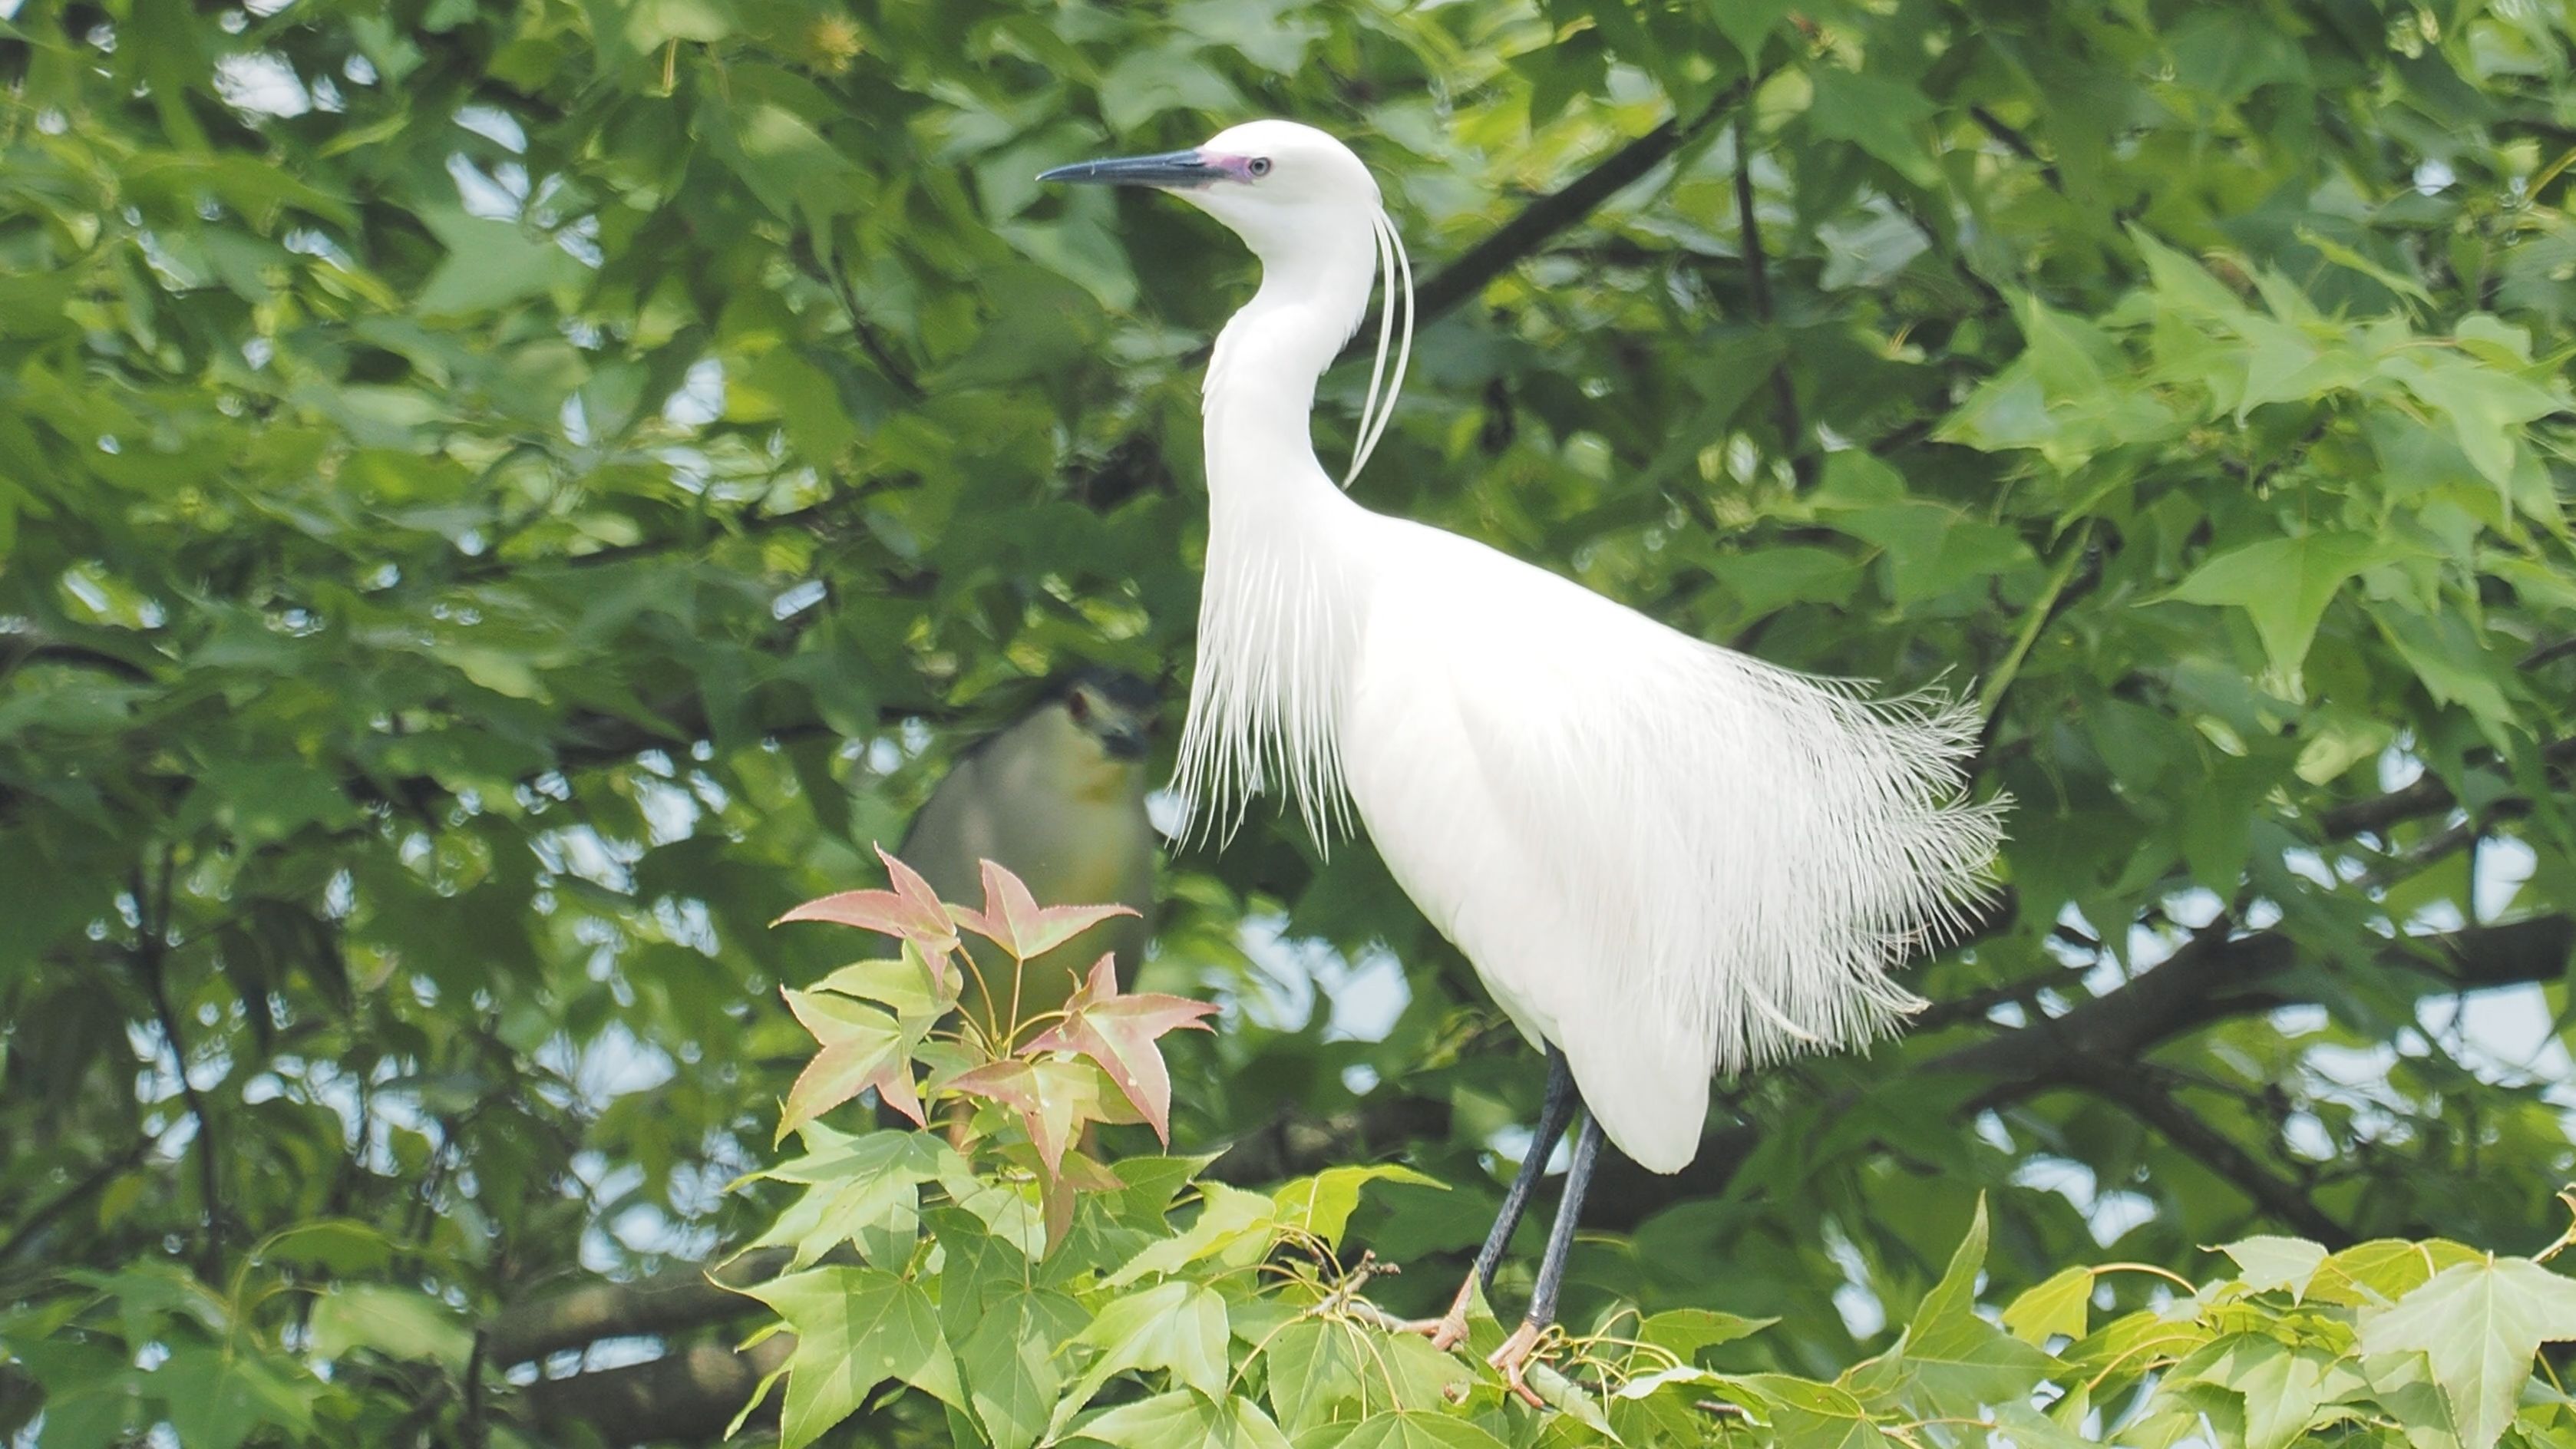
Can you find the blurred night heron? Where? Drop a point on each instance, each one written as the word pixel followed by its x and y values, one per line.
pixel 1058 798
pixel 1664 858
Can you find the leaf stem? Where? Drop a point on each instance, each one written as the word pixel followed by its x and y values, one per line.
pixel 2042 609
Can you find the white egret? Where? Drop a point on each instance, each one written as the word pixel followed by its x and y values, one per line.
pixel 1664 858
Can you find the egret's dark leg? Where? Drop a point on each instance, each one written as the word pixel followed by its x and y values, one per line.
pixel 1514 1355
pixel 1450 1329
pixel 1555 1110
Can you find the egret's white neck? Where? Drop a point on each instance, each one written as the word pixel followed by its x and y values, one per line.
pixel 1278 616
pixel 1260 396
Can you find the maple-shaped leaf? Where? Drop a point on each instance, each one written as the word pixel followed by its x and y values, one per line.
pixel 1054 1099
pixel 862 1048
pixel 911 911
pixel 1118 1031
pixel 1015 921
pixel 909 986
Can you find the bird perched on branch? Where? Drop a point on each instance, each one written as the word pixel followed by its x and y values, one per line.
pixel 1664 858
pixel 1057 798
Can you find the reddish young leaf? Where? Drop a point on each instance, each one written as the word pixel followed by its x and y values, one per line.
pixel 862 1048
pixel 911 911
pixel 924 901
pixel 1050 1096
pixel 1015 921
pixel 882 911
pixel 1118 1032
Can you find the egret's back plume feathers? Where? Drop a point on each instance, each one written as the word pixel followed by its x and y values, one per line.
pixel 1665 857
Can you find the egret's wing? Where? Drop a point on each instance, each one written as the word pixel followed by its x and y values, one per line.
pixel 1706 861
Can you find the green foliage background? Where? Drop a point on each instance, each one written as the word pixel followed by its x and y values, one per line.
pixel 497 502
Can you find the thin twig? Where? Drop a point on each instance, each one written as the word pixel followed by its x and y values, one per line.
pixel 2549 653
pixel 151 949
pixel 2019 144
pixel 475 1437
pixel 809 259
pixel 1757 282
pixel 71 1197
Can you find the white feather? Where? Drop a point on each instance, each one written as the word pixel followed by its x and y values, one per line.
pixel 1665 857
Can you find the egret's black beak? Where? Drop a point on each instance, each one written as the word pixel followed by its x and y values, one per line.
pixel 1170 169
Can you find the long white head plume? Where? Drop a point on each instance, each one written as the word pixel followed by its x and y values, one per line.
pixel 1395 273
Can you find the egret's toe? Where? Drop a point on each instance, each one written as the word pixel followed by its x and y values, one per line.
pixel 1512 1360
pixel 1450 1329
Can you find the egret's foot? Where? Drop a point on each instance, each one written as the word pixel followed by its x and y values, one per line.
pixel 1450 1329
pixel 1512 1361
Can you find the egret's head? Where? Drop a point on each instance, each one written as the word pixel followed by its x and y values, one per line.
pixel 1278 185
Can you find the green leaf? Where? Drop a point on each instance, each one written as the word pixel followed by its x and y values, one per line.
pixel 396 1322
pixel 2062 1304
pixel 1765 579
pixel 905 986
pixel 1322 1204
pixel 1416 1429
pixel 1685 1331
pixel 340 1244
pixel 1952 1362
pixel 1009 1367
pixel 1932 548
pixel 264 802
pixel 862 1048
pixel 1183 1417
pixel 2479 1325
pixel 2267 1263
pixel 1315 1367
pixel 215 1399
pixel 1885 118
pixel 2285 1388
pixel 1150 80
pixel 855 1328
pixel 864 1188
pixel 2488 406
pixel 2284 585
pixel 1749 23
pixel 491 264
pixel 2453 662
pixel 2383 1270
pixel 1176 1326
pixel 1228 1217
pixel 2120 1351
pixel 1806 1415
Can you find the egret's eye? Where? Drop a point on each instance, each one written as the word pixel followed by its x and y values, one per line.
pixel 1258 166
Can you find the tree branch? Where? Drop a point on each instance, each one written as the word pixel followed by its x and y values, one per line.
pixel 2427 796
pixel 690 1394
pixel 2220 1153
pixel 1293 1145
pixel 2217 977
pixel 665 1303
pixel 1523 235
